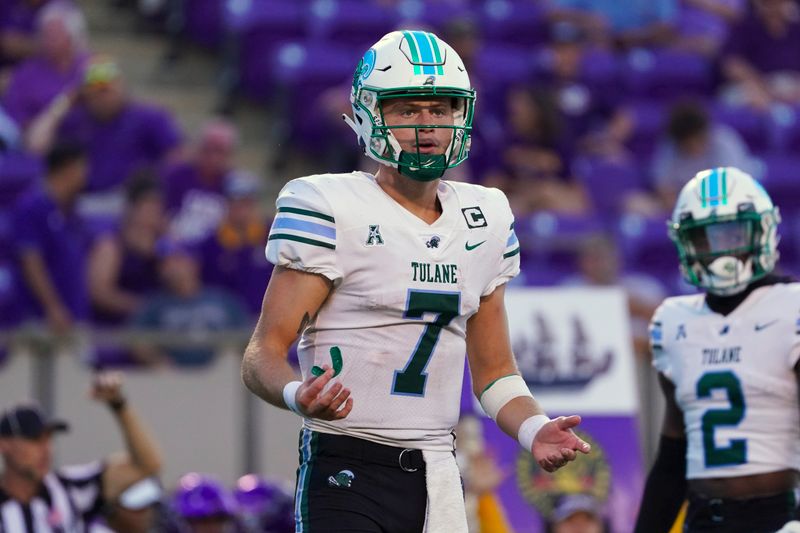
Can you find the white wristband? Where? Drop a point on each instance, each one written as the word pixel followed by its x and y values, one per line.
pixel 528 430
pixel 502 391
pixel 289 396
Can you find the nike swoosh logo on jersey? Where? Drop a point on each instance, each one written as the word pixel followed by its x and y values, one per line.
pixel 470 248
pixel 759 327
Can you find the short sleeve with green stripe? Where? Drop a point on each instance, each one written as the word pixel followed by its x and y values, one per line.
pixel 303 234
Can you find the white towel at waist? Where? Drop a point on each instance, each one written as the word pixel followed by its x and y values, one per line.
pixel 446 512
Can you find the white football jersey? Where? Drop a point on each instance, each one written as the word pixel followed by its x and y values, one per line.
pixel 402 293
pixel 734 380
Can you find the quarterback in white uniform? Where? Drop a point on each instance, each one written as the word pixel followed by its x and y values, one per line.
pixel 390 279
pixel 728 364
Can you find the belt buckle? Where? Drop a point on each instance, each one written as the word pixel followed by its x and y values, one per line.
pixel 400 461
pixel 715 506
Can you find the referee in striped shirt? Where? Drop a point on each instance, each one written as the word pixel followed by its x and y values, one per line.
pixel 36 499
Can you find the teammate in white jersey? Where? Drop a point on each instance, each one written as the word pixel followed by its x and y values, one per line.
pixel 391 279
pixel 728 365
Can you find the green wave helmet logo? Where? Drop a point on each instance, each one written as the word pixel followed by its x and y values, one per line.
pixel 342 479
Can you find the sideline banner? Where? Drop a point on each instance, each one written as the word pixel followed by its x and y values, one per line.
pixel 573 347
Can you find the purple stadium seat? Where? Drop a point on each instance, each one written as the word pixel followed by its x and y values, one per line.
pixel 600 69
pixel 753 126
pixel 645 246
pixel 430 15
pixel 300 86
pixel 787 128
pixel 649 120
pixel 353 23
pixel 266 25
pixel 780 180
pixel 666 73
pixel 498 67
pixel 515 22
pixel 608 182
pixel 694 22
pixel 550 241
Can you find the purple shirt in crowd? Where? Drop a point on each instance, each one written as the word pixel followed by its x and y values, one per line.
pixel 197 206
pixel 62 240
pixel 140 136
pixel 34 84
pixel 751 41
pixel 236 264
pixel 137 274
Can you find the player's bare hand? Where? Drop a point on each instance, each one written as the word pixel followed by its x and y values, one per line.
pixel 316 402
pixel 556 444
pixel 107 387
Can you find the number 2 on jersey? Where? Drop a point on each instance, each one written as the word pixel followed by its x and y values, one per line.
pixel 735 453
pixel 411 380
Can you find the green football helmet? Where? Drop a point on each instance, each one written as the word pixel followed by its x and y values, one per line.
pixel 726 230
pixel 411 64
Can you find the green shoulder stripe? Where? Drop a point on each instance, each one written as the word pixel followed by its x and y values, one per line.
pixel 512 253
pixel 286 236
pixel 306 212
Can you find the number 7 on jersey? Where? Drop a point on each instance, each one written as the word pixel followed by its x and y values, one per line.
pixel 447 305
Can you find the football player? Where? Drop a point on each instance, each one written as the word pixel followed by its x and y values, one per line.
pixel 728 365
pixel 389 279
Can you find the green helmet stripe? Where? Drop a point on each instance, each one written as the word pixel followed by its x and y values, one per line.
pixel 412 46
pixel 703 193
pixel 436 53
pixel 724 186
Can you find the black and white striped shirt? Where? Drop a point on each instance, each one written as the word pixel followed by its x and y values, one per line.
pixel 67 500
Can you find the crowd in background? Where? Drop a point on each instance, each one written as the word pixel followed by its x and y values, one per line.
pixel 591 115
pixel 590 120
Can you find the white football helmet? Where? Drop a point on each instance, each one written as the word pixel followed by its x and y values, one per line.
pixel 726 230
pixel 409 64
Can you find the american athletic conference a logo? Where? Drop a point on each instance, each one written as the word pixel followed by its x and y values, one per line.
pixel 374 237
pixel 590 475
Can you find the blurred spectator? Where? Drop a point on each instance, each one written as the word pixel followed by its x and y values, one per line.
pixel 204 505
pixel 535 173
pixel 120 134
pixel 69 498
pixel 55 71
pixel 599 266
pixel 135 510
pixel 18 29
pixel 583 101
pixel 51 243
pixel 233 256
pixel 194 189
pixel 626 24
pixel 693 143
pixel 184 308
pixel 264 506
pixel 762 61
pixel 577 513
pixel 123 266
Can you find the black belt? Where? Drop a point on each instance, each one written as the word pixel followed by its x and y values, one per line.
pixel 408 459
pixel 719 509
